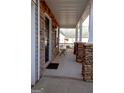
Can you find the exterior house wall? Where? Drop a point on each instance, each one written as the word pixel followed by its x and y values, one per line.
pixel 42 40
pixel 44 9
pixel 55 49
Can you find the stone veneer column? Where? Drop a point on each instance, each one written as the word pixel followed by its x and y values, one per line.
pixel 87 65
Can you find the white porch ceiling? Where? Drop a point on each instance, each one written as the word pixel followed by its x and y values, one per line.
pixel 67 12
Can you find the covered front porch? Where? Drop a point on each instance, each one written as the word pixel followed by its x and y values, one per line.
pixel 48 18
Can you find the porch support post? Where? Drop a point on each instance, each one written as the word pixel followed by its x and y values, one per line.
pixel 80 27
pixel 91 23
pixel 58 36
pixel 76 34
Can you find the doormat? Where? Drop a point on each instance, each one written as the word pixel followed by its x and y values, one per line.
pixel 53 66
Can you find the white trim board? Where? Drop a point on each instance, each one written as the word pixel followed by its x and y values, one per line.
pixel 39 39
pixel 33 43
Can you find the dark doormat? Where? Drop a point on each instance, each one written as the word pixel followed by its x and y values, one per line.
pixel 53 66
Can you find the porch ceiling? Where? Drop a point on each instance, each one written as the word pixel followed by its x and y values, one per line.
pixel 67 12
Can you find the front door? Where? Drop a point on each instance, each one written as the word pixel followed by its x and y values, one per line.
pixel 46 39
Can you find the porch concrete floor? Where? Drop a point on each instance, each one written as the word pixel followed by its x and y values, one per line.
pixel 62 85
pixel 68 67
pixel 66 79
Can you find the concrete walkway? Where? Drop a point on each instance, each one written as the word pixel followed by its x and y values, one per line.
pixel 66 79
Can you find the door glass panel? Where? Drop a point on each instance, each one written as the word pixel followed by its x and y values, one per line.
pixel 46 39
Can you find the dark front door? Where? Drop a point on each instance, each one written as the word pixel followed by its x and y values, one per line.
pixel 46 39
